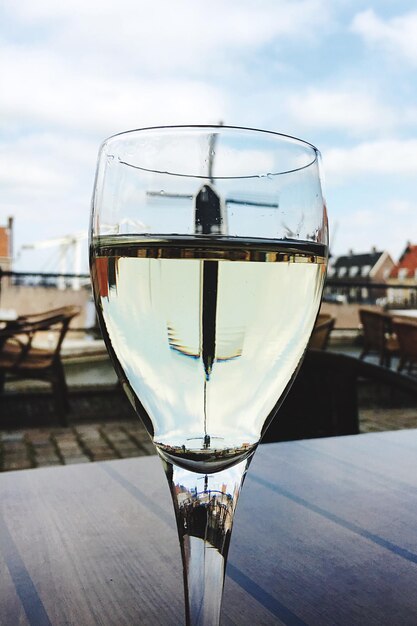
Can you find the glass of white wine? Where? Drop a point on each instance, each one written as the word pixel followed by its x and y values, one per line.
pixel 208 253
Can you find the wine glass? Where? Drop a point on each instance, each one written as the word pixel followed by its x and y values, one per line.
pixel 208 254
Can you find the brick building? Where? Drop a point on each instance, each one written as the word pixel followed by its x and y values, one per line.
pixel 6 245
pixel 404 273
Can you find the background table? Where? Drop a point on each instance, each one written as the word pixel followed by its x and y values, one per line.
pixel 326 533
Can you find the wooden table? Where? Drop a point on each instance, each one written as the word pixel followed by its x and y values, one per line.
pixel 325 534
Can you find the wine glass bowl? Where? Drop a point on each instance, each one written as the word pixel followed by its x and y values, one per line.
pixel 208 253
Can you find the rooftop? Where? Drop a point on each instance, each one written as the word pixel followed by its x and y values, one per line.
pixel 358 260
pixel 407 265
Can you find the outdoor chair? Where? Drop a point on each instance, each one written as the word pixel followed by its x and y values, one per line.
pixel 406 332
pixel 22 358
pixel 378 337
pixel 325 397
pixel 321 332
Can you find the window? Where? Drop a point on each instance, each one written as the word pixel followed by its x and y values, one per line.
pixel 402 273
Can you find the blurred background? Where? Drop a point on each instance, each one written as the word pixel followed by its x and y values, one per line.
pixel 338 74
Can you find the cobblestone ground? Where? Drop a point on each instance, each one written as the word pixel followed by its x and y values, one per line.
pixel 41 447
pixel 102 425
pixel 380 419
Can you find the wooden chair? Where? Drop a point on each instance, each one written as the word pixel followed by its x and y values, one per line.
pixel 377 336
pixel 323 401
pixel 20 358
pixel 406 332
pixel 321 332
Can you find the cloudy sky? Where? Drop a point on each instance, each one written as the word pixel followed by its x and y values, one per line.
pixel 338 73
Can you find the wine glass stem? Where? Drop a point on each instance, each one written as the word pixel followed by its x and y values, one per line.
pixel 204 506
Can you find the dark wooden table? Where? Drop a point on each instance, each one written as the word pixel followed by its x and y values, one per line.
pixel 325 534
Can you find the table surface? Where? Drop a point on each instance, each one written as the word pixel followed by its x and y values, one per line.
pixel 325 533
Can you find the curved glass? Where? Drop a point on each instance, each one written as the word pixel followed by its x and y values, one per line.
pixel 208 256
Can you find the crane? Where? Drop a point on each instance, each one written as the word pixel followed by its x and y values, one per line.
pixel 66 243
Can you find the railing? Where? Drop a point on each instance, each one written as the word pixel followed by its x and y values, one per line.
pixel 77 289
pixel 44 279
pixel 344 298
pixel 386 295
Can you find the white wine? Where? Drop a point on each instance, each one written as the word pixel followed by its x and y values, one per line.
pixel 206 334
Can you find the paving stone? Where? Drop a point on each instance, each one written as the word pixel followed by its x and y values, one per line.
pixel 136 427
pixel 15 458
pixel 38 441
pixel 69 449
pixel 68 445
pixel 88 434
pixel 134 452
pixel 14 446
pixel 121 445
pixel 138 436
pixel 66 454
pixel 42 446
pixel 51 456
pixel 48 463
pixel 45 445
pixel 15 464
pixel 148 447
pixel 66 439
pixel 100 446
pixel 12 437
pixel 77 459
pixel 122 424
pixel 105 456
pixel 114 436
pixel 127 447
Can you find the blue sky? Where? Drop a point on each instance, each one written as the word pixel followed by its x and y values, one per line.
pixel 338 73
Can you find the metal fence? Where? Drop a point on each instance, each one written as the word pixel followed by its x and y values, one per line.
pixel 385 295
pixel 44 279
pixel 72 288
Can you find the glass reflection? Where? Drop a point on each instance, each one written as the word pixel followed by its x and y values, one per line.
pixel 205 505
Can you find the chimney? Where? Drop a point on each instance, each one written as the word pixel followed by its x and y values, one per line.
pixel 10 221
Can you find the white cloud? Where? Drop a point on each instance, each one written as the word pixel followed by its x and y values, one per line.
pixel 402 207
pixel 382 227
pixel 362 219
pixel 41 90
pixel 384 157
pixel 44 160
pixel 397 35
pixel 47 182
pixel 348 109
pixel 183 28
pixel 162 39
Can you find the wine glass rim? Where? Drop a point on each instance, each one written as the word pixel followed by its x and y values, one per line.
pixel 303 142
